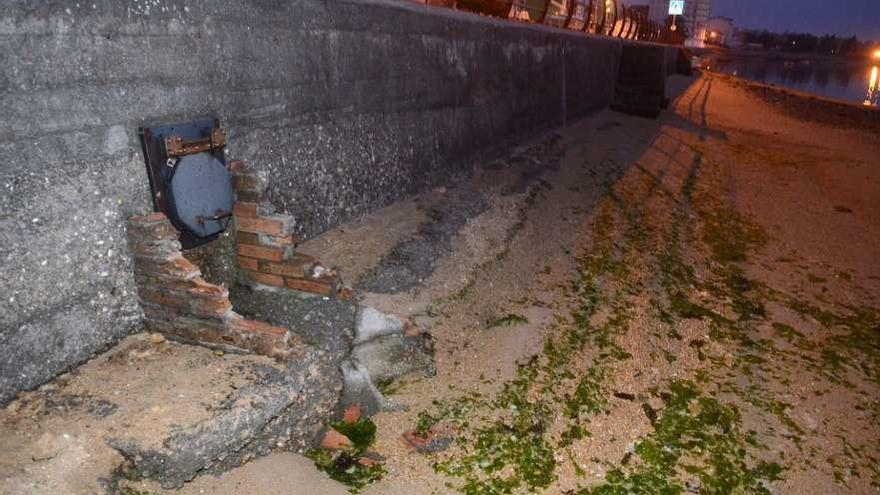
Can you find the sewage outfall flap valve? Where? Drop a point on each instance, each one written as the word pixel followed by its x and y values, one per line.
pixel 189 180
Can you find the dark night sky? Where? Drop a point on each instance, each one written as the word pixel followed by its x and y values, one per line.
pixel 842 17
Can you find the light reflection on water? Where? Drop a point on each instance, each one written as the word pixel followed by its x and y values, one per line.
pixel 841 80
pixel 872 99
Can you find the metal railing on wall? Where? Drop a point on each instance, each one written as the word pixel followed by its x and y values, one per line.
pixel 602 17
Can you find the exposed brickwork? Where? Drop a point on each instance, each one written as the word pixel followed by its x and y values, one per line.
pixel 263 252
pixel 274 226
pixel 266 243
pixel 178 302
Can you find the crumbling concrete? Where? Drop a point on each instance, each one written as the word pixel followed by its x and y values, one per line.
pixel 393 356
pixel 157 409
pixel 327 324
pixel 386 347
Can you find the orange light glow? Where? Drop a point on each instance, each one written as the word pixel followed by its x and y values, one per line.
pixel 876 54
pixel 870 100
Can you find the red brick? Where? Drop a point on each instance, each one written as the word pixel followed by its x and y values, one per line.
pixel 275 226
pixel 333 440
pixel 250 196
pixel 247 181
pixel 163 298
pixel 235 166
pixel 192 329
pixel 251 264
pixel 158 283
pixel 178 268
pixel 288 240
pixel 306 285
pixel 345 294
pixel 253 326
pixel 200 288
pixel 289 269
pixel 266 279
pixel 352 414
pixel 255 239
pixel 210 306
pixel 154 248
pixel 261 252
pixel 248 238
pixel 245 209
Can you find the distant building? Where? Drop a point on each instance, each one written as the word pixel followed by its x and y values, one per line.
pixel 721 31
pixel 696 14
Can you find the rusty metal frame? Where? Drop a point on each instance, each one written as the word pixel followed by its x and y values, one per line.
pixel 636 20
pixel 176 147
pixel 619 15
pixel 600 26
pixel 609 29
pixel 637 31
pixel 628 24
pixel 571 7
pixel 543 18
pixel 569 12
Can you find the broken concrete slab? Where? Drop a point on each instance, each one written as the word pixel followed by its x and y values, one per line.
pixel 327 324
pixel 360 390
pixel 372 323
pixel 393 356
pixel 167 412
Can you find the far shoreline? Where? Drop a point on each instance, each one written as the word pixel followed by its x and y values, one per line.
pixel 724 53
pixel 809 106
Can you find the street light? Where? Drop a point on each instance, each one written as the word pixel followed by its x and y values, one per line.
pixel 877 54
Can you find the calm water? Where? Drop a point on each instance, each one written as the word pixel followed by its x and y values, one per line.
pixel 844 81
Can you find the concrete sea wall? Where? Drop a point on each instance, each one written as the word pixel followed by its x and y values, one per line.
pixel 347 104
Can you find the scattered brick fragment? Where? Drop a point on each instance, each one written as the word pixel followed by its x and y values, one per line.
pixel 333 440
pixel 352 414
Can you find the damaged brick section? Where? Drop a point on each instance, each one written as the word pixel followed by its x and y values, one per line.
pixel 179 303
pixel 266 243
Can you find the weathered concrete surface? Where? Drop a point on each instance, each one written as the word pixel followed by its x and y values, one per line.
pixel 164 411
pixel 327 324
pixel 347 104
